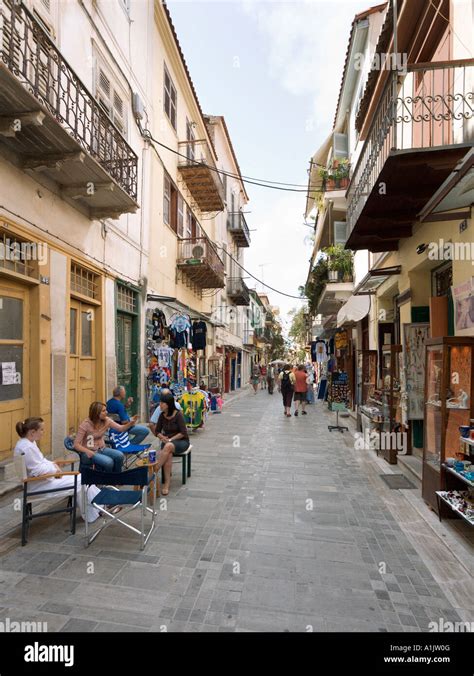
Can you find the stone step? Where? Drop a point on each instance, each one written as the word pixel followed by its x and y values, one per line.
pixel 411 466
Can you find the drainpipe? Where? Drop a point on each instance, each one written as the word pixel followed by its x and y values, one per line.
pixel 395 74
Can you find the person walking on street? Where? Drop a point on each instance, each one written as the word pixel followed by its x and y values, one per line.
pixel 255 378
pixel 301 389
pixel 277 378
pixel 287 382
pixel 271 378
pixel 263 374
pixel 310 383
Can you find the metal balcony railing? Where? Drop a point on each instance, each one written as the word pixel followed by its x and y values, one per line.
pixel 237 226
pixel 197 166
pixel 198 258
pixel 32 57
pixel 238 289
pixel 427 107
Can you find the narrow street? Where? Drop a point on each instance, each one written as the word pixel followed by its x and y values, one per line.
pixel 283 526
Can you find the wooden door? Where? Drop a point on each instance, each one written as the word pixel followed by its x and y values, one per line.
pixel 82 379
pixel 14 362
pixel 127 357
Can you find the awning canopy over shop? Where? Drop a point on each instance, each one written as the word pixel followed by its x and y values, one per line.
pixel 356 308
pixel 170 305
pixel 375 278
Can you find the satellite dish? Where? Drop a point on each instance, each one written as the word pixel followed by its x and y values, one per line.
pixel 198 251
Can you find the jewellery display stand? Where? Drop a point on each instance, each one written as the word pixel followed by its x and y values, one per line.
pixel 449 399
pixel 338 397
pixel 391 402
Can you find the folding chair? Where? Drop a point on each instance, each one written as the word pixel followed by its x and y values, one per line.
pixel 121 442
pixel 84 461
pixel 110 497
pixel 185 466
pixel 30 497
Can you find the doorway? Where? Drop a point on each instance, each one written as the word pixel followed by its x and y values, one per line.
pixel 82 378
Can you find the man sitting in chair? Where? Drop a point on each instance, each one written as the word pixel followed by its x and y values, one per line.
pixel 115 406
pixel 30 432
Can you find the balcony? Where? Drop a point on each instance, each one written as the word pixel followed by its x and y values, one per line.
pixel 237 291
pixel 421 129
pixel 199 172
pixel 53 128
pixel 249 338
pixel 333 296
pixel 200 264
pixel 238 228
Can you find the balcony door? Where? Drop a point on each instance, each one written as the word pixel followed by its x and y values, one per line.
pixel 82 378
pixel 431 87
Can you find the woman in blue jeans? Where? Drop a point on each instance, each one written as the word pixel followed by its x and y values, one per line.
pixel 90 438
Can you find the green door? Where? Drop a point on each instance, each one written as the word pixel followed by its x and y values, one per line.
pixel 127 362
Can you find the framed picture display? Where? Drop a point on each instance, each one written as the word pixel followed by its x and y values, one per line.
pixel 414 353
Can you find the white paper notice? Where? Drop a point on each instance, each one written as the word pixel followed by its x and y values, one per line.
pixel 8 373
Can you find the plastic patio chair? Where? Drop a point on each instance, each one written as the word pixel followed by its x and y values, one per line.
pixel 185 466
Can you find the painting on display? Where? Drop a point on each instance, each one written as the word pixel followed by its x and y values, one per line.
pixel 463 298
pixel 415 339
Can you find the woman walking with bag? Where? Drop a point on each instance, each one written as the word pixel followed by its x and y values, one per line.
pixel 287 382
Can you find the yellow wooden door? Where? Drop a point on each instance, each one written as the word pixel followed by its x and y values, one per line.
pixel 14 362
pixel 82 386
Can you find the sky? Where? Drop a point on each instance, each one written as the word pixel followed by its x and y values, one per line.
pixel 273 70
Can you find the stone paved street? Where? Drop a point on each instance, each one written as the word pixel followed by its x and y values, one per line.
pixel 239 547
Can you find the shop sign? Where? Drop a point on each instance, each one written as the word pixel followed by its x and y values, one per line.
pixel 341 340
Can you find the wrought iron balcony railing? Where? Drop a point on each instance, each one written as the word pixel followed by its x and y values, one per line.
pixel 237 226
pixel 198 259
pixel 428 107
pixel 237 290
pixel 199 171
pixel 33 58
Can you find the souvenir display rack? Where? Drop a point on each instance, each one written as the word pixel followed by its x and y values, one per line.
pixel 369 374
pixel 390 398
pixel 449 399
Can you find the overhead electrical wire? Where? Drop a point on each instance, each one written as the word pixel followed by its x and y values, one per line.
pixel 263 183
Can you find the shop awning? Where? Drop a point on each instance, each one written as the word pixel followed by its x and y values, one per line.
pixel 170 305
pixel 375 278
pixel 356 308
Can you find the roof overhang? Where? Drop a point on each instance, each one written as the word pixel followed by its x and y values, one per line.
pixel 375 278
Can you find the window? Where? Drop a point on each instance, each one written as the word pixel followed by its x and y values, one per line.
pixel 126 299
pixel 111 98
pixel 181 215
pixel 190 150
pixel 19 256
pixel 86 335
pixel 84 282
pixel 173 205
pixel 169 99
pixel 73 331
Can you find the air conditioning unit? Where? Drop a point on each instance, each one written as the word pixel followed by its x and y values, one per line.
pixel 198 251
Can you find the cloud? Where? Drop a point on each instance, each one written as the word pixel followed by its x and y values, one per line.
pixel 306 44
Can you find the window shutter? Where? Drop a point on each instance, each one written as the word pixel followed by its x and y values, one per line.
pixel 340 232
pixel 340 146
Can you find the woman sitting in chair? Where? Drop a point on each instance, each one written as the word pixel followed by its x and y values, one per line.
pixel 30 432
pixel 172 432
pixel 90 438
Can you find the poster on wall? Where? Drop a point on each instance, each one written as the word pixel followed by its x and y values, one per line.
pixel 415 338
pixel 463 299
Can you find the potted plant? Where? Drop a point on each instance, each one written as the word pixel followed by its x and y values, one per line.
pixel 340 173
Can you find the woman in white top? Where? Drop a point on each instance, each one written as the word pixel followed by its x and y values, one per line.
pixel 30 432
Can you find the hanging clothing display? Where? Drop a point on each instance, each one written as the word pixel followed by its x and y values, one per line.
pixel 164 356
pixel 159 326
pixel 180 331
pixel 193 406
pixel 199 335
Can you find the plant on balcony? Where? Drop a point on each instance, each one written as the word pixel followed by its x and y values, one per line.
pixel 316 283
pixel 340 260
pixel 337 176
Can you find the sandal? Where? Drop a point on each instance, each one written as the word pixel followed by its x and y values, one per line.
pixel 165 491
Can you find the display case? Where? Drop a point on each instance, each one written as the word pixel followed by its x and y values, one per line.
pixel 369 374
pixel 391 401
pixel 449 394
